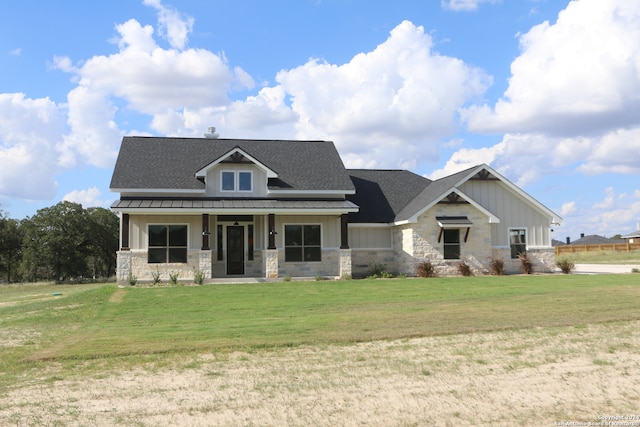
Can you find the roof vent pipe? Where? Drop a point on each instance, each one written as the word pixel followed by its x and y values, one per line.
pixel 211 134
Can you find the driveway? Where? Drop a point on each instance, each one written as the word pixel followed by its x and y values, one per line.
pixel 604 268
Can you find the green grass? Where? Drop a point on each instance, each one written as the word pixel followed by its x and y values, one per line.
pixel 102 322
pixel 603 257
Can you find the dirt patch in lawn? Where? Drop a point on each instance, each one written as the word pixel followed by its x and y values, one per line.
pixel 530 377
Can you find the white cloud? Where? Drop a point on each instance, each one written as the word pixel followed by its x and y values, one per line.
pixel 16 52
pixel 464 5
pixel 91 197
pixel 390 106
pixel 578 76
pixel 174 26
pixel 29 129
pixel 568 208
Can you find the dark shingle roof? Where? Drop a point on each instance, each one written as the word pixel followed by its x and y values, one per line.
pixel 595 239
pixel 434 191
pixel 381 194
pixel 171 163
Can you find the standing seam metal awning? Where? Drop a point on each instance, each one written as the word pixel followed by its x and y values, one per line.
pixel 259 205
pixel 454 222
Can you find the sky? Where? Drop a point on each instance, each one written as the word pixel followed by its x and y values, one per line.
pixel 546 92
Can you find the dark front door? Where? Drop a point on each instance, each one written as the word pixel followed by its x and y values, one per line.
pixel 235 249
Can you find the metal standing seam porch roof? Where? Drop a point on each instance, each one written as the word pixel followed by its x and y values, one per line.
pixel 252 205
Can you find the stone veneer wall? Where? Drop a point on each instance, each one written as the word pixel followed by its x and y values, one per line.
pixel 418 242
pixel 142 270
pixel 329 266
pixel 542 259
pixel 363 261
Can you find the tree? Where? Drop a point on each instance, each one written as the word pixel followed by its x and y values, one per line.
pixel 104 226
pixel 10 246
pixel 56 242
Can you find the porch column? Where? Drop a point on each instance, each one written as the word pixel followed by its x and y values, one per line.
pixel 272 231
pixel 124 232
pixel 205 232
pixel 344 232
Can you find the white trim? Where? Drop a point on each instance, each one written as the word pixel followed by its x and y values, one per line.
pixel 314 192
pixel 237 211
pixel 369 225
pixel 302 224
pixel 236 180
pixel 526 237
pixel 493 219
pixel 555 219
pixel 202 173
pixel 176 191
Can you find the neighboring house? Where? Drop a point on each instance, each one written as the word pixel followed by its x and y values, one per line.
pixel 594 239
pixel 633 237
pixel 260 208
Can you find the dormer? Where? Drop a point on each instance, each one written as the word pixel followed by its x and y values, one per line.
pixel 236 174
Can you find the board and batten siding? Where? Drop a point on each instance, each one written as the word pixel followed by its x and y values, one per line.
pixel 370 237
pixel 330 225
pixel 138 228
pixel 513 211
pixel 259 180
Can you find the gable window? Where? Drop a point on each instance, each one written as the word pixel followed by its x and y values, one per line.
pixel 167 243
pixel 518 241
pixel 236 181
pixel 451 243
pixel 302 243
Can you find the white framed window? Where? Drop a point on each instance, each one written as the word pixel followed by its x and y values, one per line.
pixel 167 243
pixel 518 241
pixel 302 242
pixel 241 181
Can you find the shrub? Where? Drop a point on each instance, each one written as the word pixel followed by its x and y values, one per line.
pixel 156 277
pixel 133 280
pixel 378 272
pixel 319 278
pixel 346 277
pixel 525 263
pixel 198 277
pixel 173 278
pixel 565 265
pixel 464 269
pixel 286 278
pixel 497 266
pixel 425 269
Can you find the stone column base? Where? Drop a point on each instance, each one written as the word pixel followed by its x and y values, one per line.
pixel 123 267
pixel 271 263
pixel 345 263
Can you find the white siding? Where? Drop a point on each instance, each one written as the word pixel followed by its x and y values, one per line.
pixel 513 211
pixel 259 180
pixel 138 228
pixel 370 238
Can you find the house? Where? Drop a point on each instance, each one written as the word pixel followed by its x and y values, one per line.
pixel 633 237
pixel 268 209
pixel 593 239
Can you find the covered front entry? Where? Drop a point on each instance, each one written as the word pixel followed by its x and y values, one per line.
pixel 235 250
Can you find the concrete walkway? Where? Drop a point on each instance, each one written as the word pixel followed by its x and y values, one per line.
pixel 604 268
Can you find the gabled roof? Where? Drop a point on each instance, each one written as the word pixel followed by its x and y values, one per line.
pixel 171 164
pixel 395 196
pixel 381 194
pixel 635 234
pixel 595 239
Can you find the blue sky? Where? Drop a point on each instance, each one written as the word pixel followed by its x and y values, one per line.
pixel 547 92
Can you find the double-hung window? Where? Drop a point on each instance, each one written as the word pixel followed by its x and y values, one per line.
pixel 451 243
pixel 236 181
pixel 518 241
pixel 302 243
pixel 167 243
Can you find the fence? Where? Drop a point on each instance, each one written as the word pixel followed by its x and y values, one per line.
pixel 619 247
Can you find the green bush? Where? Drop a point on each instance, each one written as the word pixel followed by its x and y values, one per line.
pixel 198 277
pixel 565 265
pixel 156 277
pixel 173 278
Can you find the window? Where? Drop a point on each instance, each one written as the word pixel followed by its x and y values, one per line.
pixel 167 243
pixel 518 241
pixel 451 243
pixel 236 181
pixel 302 243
